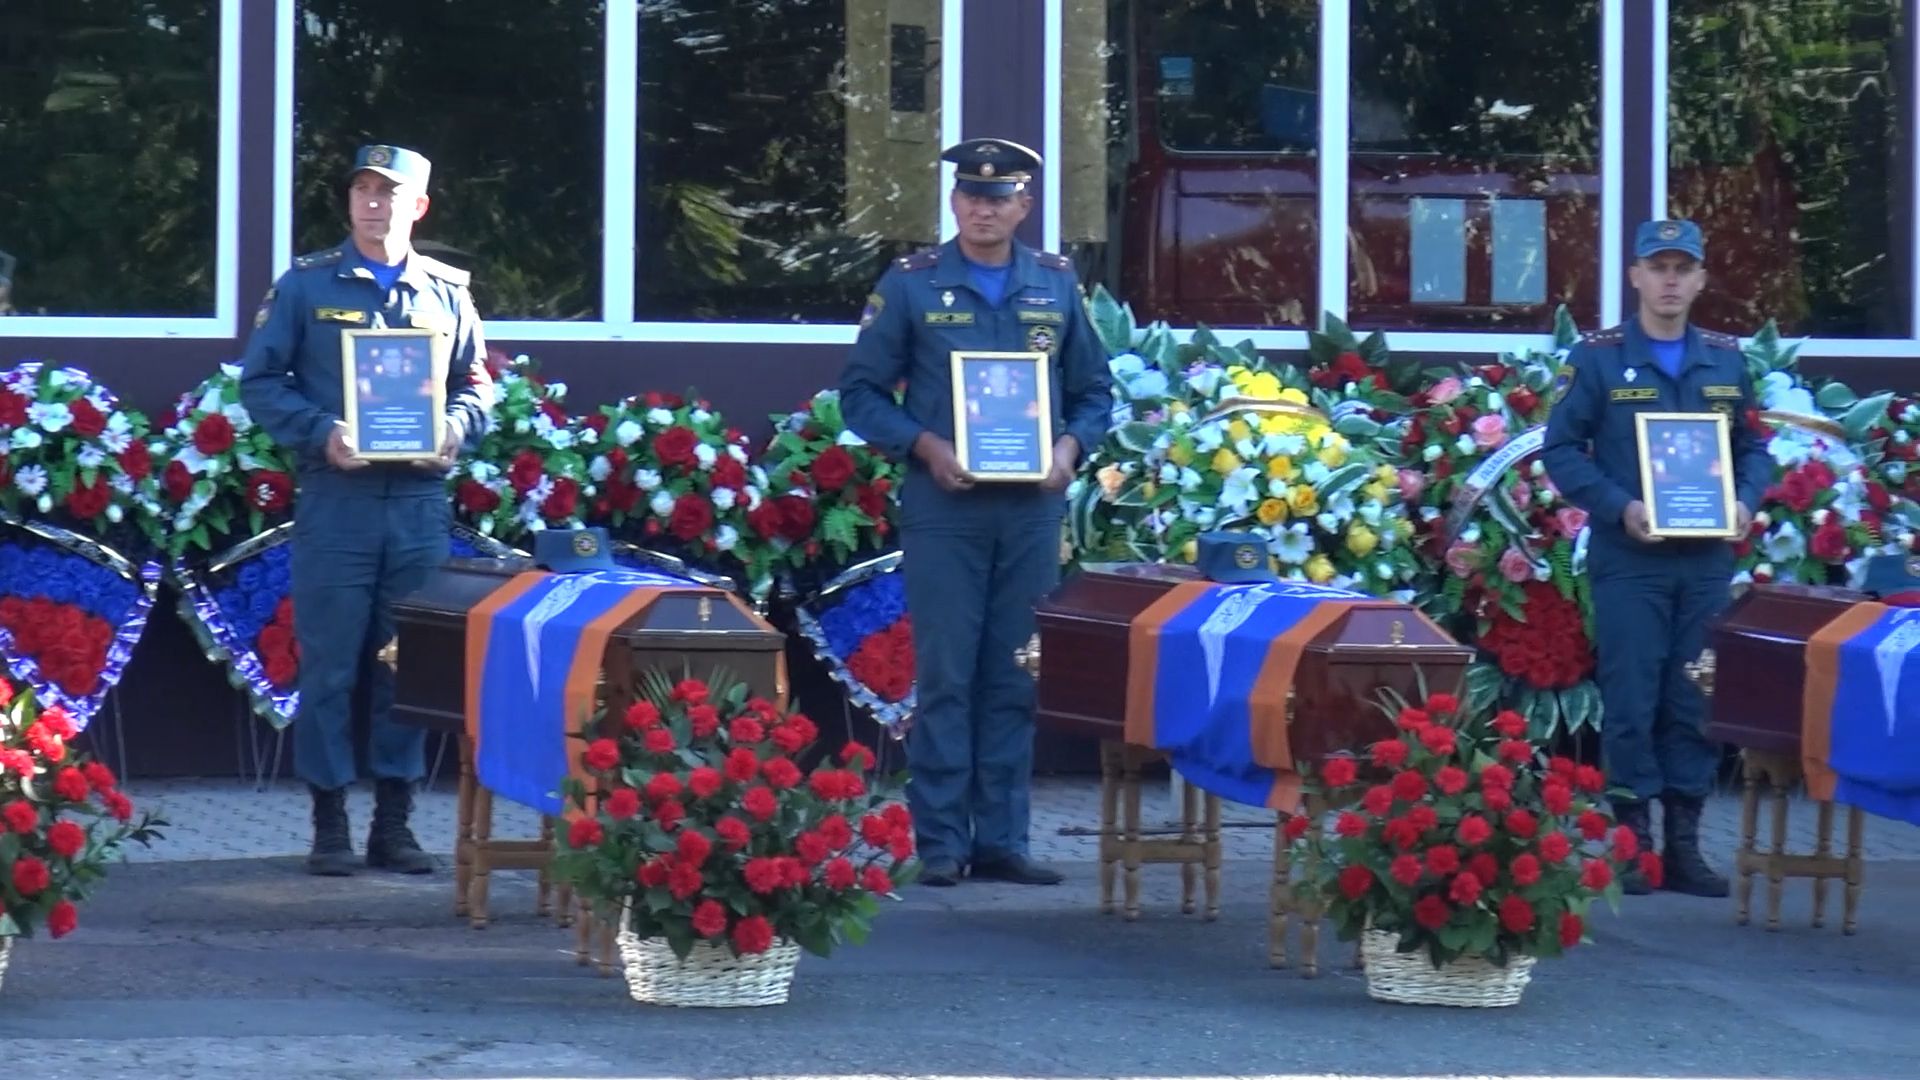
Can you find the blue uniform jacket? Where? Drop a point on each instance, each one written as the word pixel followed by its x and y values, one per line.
pixel 290 379
pixel 1591 451
pixel 925 308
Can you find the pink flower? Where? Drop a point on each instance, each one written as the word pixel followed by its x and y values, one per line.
pixel 1489 431
pixel 1522 493
pixel 1515 567
pixel 1571 520
pixel 1445 390
pixel 1463 559
pixel 1412 483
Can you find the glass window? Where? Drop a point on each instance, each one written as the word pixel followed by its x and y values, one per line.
pixel 1189 174
pixel 787 151
pixel 1783 143
pixel 1474 164
pixel 109 154
pixel 505 97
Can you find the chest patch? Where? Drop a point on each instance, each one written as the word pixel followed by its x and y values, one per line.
pixel 1053 317
pixel 1729 392
pixel 348 316
pixel 949 318
pixel 1634 393
pixel 1040 339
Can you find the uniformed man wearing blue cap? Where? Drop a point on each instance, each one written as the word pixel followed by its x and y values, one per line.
pixel 364 533
pixel 978 557
pixel 1653 598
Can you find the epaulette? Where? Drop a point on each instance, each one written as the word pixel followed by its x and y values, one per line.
pixel 1052 261
pixel 452 275
pixel 1610 336
pixel 926 259
pixel 320 258
pixel 1714 339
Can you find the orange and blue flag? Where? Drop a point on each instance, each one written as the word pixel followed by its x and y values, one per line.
pixel 1209 667
pixel 1860 733
pixel 535 648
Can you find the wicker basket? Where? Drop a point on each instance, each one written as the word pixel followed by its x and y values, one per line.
pixel 1411 978
pixel 711 977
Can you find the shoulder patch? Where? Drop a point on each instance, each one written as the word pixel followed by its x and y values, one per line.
pixel 319 258
pixel 925 259
pixel 1611 336
pixel 1714 339
pixel 1053 261
pixel 452 275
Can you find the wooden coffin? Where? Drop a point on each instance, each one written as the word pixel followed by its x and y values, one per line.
pixel 686 633
pixel 1759 649
pixel 1084 625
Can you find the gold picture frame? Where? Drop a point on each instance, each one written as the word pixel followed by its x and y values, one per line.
pixel 412 417
pixel 979 419
pixel 1679 436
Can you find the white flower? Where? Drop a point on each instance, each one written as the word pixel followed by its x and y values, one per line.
pixel 486 525
pixel 600 468
pixel 1494 401
pixel 725 537
pixel 1278 488
pixel 561 439
pixel 121 483
pixel 557 391
pixel 1205 380
pixel 1189 479
pixel 183 521
pixel 210 401
pixel 660 417
pixel 522 426
pixel 646 479
pixel 1316 473
pixel 1383 570
pixel 1784 544
pixel 1474 382
pixel 1429 513
pixel 45 503
pixel 1896 472
pixel 628 433
pixel 89 458
pixel 724 498
pixel 1209 437
pixel 1464 444
pixel 32 479
pixel 1341 508
pixel 1148 384
pixel 1327 522
pixel 1288 445
pixel 483 472
pixel 662 503
pixel 542 425
pixel 705 455
pixel 1292 543
pixel 59 378
pixel 1470 534
pixel 1125 366
pixel 753 497
pixel 53 417
pixel 1743 578
pixel 1432 452
pixel 1539 468
pixel 1075 487
pixel 1239 492
pixel 1819 517
pixel 699 416
pixel 537 524
pixel 1203 516
pixel 1169 473
pixel 115 514
pixel 1370 514
pixel 1247 449
pixel 1764 518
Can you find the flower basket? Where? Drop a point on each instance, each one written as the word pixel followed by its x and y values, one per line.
pixel 711 977
pixel 1466 982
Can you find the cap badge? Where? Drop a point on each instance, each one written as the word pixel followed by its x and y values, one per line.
pixel 379 155
pixel 986 168
pixel 1669 230
pixel 586 545
pixel 1246 556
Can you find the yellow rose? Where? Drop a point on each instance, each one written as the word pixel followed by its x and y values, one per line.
pixel 1318 432
pixel 1238 431
pixel 1297 397
pixel 1403 526
pixel 1271 512
pixel 1225 461
pixel 1333 455
pixel 1188 550
pixel 1303 501
pixel 1361 540
pixel 1282 425
pixel 1387 474
pixel 1376 492
pixel 1281 467
pixel 1180 453
pixel 1262 385
pixel 1320 569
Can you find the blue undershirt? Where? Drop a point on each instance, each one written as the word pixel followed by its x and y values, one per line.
pixel 1668 354
pixel 384 275
pixel 989 281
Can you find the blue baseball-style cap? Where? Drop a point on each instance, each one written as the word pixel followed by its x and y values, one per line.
pixel 1233 558
pixel 1893 580
pixel 572 551
pixel 396 163
pixel 1654 237
pixel 991 166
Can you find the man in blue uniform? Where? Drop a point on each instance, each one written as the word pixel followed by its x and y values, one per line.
pixel 365 533
pixel 1653 597
pixel 978 555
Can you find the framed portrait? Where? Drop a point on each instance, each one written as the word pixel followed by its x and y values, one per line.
pixel 395 389
pixel 1002 415
pixel 1686 474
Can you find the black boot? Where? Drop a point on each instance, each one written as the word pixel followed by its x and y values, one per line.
pixel 1638 816
pixel 1686 871
pixel 332 854
pixel 390 844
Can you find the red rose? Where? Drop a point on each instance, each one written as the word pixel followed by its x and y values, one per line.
pixel 623 803
pixel 1464 890
pixel 877 830
pixel 87 421
pixel 704 782
pixel 836 832
pixel 763 874
pixel 732 832
pixel 766 519
pixel 693 847
pixel 781 773
pixel 477 498
pixel 30 876
pixel 89 501
pixel 1450 780
pixel 839 875
pixel 1408 786
pixel 796 518
pixel 213 434
pixel 760 803
pixel 585 833
pixel 602 755
pixel 66 839
pixel 1572 929
pixel 871 500
pixel 1496 778
pixel 1555 847
pixel 1378 800
pixel 272 491
pixel 1593 825
pixel 1474 830
pixel 1652 868
pixel 856 756
pixel 1411 719
pixel 709 919
pixel 1596 874
pixel 1405 869
pixel 675 447
pixel 683 881
pixel 742 765
pixel 1516 915
pixel 1389 753
pixel 663 786
pixel 1442 704
pixel 1557 795
pixel 642 715
pixel 746 730
pixel 691 518
pixel 1443 860
pixel 1350 824
pixel 525 472
pixel 811 847
pixel 177 480
pixel 1432 912
pixel 20 816
pixel 753 934
pixel 1510 724
pixel 1422 818
pixel 70 784
pixel 876 880
pixel 62 918
pixel 653 873
pixel 1626 844
pixel 1438 739
pixel 1525 870
pixel 705 719
pixel 727 473
pixel 562 501
pixel 1340 771
pixel 1829 543
pixel 833 469
pixel 1878 498
pixel 13 409
pixel 1355 881
pixel 658 741
pixel 1523 824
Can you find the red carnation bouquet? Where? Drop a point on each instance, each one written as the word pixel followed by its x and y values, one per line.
pixel 1456 838
pixel 699 821
pixel 530 470
pixel 831 497
pixel 62 816
pixel 215 477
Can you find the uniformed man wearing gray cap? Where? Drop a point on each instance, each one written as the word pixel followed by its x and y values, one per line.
pixel 1653 598
pixel 978 557
pixel 365 533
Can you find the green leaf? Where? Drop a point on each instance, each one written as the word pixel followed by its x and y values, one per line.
pixel 1134 494
pixel 841 525
pixel 1484 683
pixel 1136 437
pixel 1112 321
pixel 1580 705
pixel 1836 397
pixel 1865 414
pixel 1341 481
pixel 1357 425
pixel 1565 330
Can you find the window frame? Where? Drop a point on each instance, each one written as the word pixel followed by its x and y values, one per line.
pixel 618 252
pixel 223 323
pixel 1878 348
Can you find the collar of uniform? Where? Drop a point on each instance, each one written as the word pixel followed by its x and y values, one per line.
pixel 353 264
pixel 951 271
pixel 1639 347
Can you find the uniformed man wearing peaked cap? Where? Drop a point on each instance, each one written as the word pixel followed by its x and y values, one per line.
pixel 1653 599
pixel 978 556
pixel 365 533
